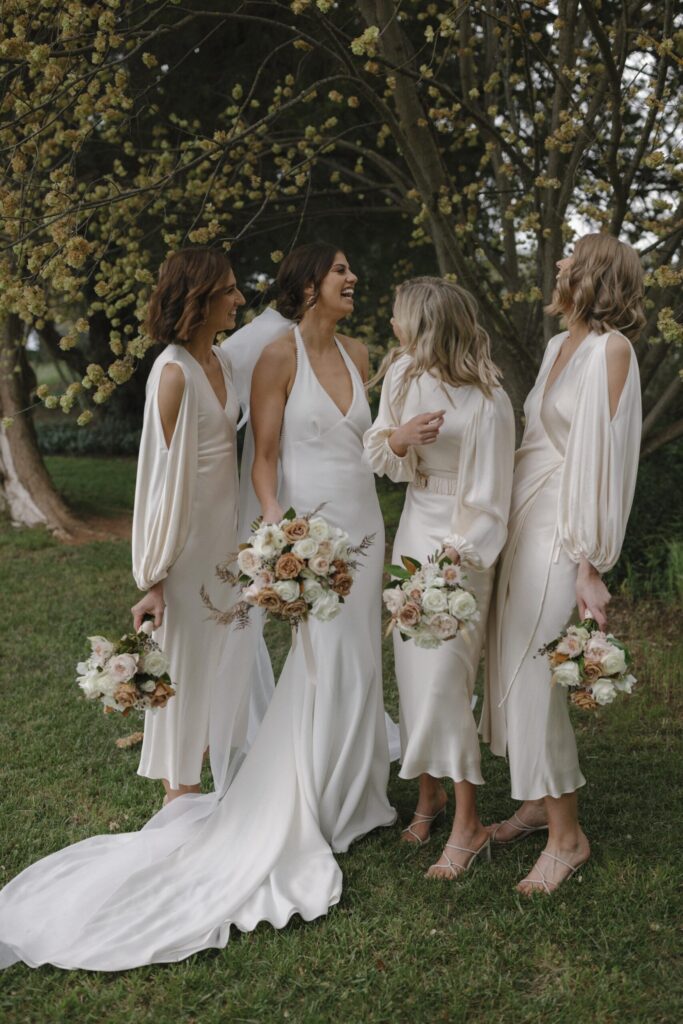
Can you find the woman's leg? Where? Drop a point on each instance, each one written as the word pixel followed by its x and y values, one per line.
pixel 467 836
pixel 431 800
pixel 567 847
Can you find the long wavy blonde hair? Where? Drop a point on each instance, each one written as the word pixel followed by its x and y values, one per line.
pixel 438 321
pixel 603 287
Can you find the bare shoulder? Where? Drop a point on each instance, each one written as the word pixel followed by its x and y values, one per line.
pixel 171 384
pixel 358 352
pixel 618 350
pixel 278 358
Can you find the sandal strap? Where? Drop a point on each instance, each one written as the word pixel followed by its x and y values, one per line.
pixel 523 827
pixel 559 860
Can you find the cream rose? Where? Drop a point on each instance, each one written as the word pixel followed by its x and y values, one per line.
pixel 249 561
pixel 288 590
pixel 394 599
pixel 444 627
pixel 452 574
pixel 326 549
pixel 90 684
pixel 123 667
pixel 312 590
pixel 572 644
pixel 567 674
pixel 613 663
pixel 462 605
pixel 604 691
pixel 306 548
pixel 626 684
pixel 409 615
pixel 434 600
pixel 326 606
pixel 319 565
pixel 426 641
pixel 102 649
pixel 155 663
pixel 268 541
pixel 318 528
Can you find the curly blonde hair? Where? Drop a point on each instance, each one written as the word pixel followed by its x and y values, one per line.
pixel 442 336
pixel 179 303
pixel 602 288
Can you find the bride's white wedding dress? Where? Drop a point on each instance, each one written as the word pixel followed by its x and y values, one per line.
pixel 313 781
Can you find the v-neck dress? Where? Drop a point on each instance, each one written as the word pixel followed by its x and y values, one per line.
pixel 184 524
pixel 313 780
pixel 573 486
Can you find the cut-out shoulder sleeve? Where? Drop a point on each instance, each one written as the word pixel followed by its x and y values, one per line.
pixel 601 464
pixel 482 500
pixel 378 453
pixel 165 484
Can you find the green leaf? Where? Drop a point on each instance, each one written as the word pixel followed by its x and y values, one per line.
pixel 411 564
pixel 397 570
pixel 290 514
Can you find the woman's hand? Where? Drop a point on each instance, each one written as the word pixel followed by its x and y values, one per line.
pixel 453 555
pixel 421 429
pixel 152 603
pixel 272 513
pixel 592 596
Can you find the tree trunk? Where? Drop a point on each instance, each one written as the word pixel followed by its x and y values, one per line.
pixel 26 490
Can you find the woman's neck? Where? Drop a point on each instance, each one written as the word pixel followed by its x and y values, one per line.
pixel 200 344
pixel 578 331
pixel 318 329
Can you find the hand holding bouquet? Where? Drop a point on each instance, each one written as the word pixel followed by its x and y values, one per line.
pixel 428 603
pixel 126 674
pixel 298 567
pixel 594 666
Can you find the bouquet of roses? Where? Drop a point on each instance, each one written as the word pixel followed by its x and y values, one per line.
pixel 298 567
pixel 594 666
pixel 428 603
pixel 127 674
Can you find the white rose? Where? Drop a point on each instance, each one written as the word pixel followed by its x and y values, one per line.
pixel 307 547
pixel 613 663
pixel 326 606
pixel 249 561
pixel 462 605
pixel 319 565
pixel 318 528
pixel 604 691
pixel 394 599
pixel 442 626
pixel 312 590
pixel 148 687
pixel 288 590
pixel 567 674
pixel 250 593
pixel 102 649
pixel 90 684
pixel 434 600
pixel 155 663
pixel 625 684
pixel 268 541
pixel 326 549
pixel 414 583
pixel 123 667
pixel 107 685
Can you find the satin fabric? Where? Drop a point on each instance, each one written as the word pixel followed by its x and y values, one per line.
pixel 574 481
pixel 312 782
pixel 458 488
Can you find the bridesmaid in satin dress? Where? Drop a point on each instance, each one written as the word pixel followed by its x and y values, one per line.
pixel 457 461
pixel 185 517
pixel 574 479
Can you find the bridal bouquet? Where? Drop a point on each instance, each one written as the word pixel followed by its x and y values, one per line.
pixel 126 674
pixel 428 603
pixel 592 665
pixel 298 567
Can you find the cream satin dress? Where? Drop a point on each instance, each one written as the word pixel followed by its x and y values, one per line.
pixel 313 780
pixel 184 524
pixel 574 480
pixel 458 488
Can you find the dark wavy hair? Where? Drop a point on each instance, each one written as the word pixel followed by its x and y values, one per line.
pixel 179 303
pixel 303 266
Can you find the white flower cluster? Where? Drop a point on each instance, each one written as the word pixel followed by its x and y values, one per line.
pixel 588 659
pixel 129 674
pixel 297 567
pixel 429 603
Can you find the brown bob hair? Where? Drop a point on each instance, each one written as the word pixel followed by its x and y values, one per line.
pixel 179 303
pixel 303 266
pixel 603 287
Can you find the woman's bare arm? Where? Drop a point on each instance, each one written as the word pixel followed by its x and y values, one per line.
pixel 270 387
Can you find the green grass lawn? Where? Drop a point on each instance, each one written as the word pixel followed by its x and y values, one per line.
pixel 398 948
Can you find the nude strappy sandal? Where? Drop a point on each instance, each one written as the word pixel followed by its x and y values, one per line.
pixel 421 819
pixel 457 869
pixel 550 887
pixel 516 822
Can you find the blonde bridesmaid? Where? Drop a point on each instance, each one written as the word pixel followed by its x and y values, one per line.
pixel 575 475
pixel 446 427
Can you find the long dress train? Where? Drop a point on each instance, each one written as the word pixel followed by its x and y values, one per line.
pixel 313 781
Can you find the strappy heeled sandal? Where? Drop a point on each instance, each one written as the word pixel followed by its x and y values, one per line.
pixel 457 869
pixel 516 822
pixel 420 819
pixel 547 886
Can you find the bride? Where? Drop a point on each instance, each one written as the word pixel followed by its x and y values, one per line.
pixel 315 777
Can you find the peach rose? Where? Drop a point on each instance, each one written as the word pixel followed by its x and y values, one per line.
pixel 295 529
pixel 409 615
pixel 161 696
pixel 341 583
pixel 591 672
pixel 295 609
pixel 126 694
pixel 288 566
pixel 556 658
pixel 270 600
